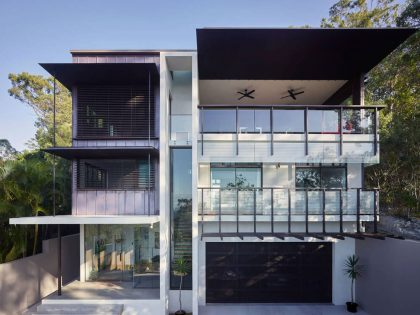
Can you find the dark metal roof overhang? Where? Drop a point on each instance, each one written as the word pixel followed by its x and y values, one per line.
pixel 73 74
pixel 71 153
pixel 293 54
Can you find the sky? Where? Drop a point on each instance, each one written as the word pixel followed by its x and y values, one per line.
pixel 32 32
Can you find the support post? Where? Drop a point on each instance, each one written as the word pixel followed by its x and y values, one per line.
pixel 358 96
pixel 340 125
pixel 375 132
pixel 375 211
pixel 289 209
pixel 59 275
pixel 237 132
pixel 272 211
pixel 148 186
pixel 306 130
pixel 341 210
pixel 272 131
pixel 358 210
pixel 149 106
pixel 201 129
pixel 237 210
pixel 255 210
pixel 202 212
pixel 306 211
pixel 323 211
pixel 54 144
pixel 220 211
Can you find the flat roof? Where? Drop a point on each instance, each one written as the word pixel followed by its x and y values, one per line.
pixel 293 53
pixel 101 152
pixel 125 51
pixel 73 74
pixel 86 219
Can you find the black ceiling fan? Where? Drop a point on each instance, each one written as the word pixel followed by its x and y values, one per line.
pixel 246 93
pixel 293 93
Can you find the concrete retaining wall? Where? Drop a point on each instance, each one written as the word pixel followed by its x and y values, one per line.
pixel 26 281
pixel 390 282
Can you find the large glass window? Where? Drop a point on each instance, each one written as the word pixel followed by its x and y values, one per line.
pixel 288 121
pixel 253 121
pixel 124 253
pixel 236 176
pixel 321 177
pixel 358 121
pixel 181 212
pixel 323 121
pixel 218 120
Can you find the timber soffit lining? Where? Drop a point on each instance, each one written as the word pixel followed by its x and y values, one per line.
pixel 73 74
pixel 293 54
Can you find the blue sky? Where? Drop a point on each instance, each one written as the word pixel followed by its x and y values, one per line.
pixel 44 31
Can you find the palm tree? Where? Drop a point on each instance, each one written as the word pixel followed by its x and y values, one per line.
pixel 352 270
pixel 181 269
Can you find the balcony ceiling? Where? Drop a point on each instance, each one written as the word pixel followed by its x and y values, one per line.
pixel 293 54
pixel 267 92
pixel 71 153
pixel 73 74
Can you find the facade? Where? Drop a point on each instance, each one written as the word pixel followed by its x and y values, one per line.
pixel 246 157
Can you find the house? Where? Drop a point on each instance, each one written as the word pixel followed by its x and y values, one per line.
pixel 244 157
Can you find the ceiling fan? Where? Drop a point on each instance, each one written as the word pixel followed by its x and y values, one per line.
pixel 293 93
pixel 246 93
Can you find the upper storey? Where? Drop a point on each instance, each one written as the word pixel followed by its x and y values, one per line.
pixel 289 95
pixel 115 97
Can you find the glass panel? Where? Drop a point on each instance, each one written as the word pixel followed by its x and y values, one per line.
pixel 128 253
pixel 219 120
pixel 246 120
pixel 181 212
pixel 358 121
pixel 323 121
pixel 248 177
pixel 308 177
pixel 288 121
pixel 223 177
pixel 333 177
pixel 262 121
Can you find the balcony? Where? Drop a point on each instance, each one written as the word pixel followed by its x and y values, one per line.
pixel 289 133
pixel 286 205
pixel 181 126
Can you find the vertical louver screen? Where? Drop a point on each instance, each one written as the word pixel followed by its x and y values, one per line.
pixel 115 174
pixel 112 112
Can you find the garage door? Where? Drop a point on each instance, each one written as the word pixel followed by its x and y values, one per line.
pixel 268 272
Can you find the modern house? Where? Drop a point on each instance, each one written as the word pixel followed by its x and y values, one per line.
pixel 246 157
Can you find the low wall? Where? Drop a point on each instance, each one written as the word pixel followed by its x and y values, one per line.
pixel 26 281
pixel 391 276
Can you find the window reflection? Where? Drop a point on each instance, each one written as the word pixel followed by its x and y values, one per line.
pixel 358 121
pixel 219 120
pixel 288 121
pixel 321 177
pixel 236 176
pixel 323 121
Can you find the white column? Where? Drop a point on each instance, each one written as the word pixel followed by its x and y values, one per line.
pixel 82 253
pixel 341 283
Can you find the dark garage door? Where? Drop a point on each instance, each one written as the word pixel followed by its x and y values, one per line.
pixel 268 272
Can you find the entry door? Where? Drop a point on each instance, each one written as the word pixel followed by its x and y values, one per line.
pixel 293 272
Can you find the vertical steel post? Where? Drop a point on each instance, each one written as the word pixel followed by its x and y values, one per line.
pixel 375 211
pixel 340 125
pixel 358 210
pixel 59 276
pixel 272 210
pixel 202 212
pixel 341 210
pixel 149 106
pixel 237 210
pixel 255 210
pixel 201 129
pixel 306 131
pixel 306 212
pixel 375 132
pixel 271 129
pixel 148 185
pixel 237 132
pixel 220 211
pixel 289 207
pixel 54 143
pixel 323 211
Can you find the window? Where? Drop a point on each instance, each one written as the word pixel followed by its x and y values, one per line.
pixel 288 121
pixel 236 176
pixel 181 212
pixel 218 120
pixel 115 174
pixel 323 121
pixel 321 177
pixel 358 121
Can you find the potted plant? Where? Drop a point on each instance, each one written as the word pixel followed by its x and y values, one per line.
pixel 352 270
pixel 181 269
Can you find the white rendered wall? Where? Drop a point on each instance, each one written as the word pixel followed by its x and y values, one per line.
pixel 186 296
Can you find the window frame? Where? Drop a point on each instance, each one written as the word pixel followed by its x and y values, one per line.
pixel 321 168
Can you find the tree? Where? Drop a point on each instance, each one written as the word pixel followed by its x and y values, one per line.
pixel 394 82
pixel 37 92
pixel 6 150
pixel 181 269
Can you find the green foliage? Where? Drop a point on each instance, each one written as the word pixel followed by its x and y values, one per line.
pixel 6 150
pixel 37 92
pixel 361 13
pixel 26 181
pixel 395 83
pixel 181 267
pixel 353 271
